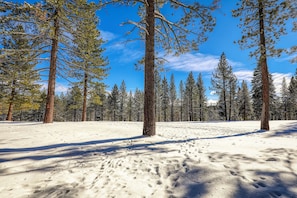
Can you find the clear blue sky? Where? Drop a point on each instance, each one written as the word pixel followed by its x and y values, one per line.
pixel 123 55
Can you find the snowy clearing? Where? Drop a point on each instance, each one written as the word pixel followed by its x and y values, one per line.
pixel 112 159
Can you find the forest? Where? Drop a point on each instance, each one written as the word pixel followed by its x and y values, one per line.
pixel 65 34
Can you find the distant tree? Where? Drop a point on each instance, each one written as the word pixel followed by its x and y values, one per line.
pixel 224 84
pixel 190 91
pixel 138 103
pixel 123 101
pixel 165 99
pixel 244 103
pixel 293 98
pixel 202 100
pixel 181 95
pixel 74 101
pixel 284 99
pixel 114 100
pixel 263 22
pixel 172 96
pixel 130 106
pixel 158 92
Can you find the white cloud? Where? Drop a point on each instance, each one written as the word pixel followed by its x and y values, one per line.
pixel 107 36
pixel 213 93
pixel 278 79
pixel 60 88
pixel 192 62
pixel 245 75
pixel 195 62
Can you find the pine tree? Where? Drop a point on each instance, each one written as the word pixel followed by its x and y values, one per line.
pixel 130 108
pixel 138 103
pixel 114 100
pixel 123 101
pixel 165 99
pixel 293 98
pixel 181 96
pixel 284 99
pixel 224 83
pixel 257 93
pixel 74 102
pixel 190 91
pixel 263 22
pixel 88 65
pixel 18 74
pixel 173 37
pixel 244 102
pixel 202 100
pixel 172 96
pixel 158 92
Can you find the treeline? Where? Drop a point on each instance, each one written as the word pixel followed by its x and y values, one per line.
pixel 186 101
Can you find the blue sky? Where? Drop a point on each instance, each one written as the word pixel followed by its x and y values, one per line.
pixel 123 55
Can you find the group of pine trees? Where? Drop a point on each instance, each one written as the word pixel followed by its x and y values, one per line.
pixel 65 33
pixel 185 102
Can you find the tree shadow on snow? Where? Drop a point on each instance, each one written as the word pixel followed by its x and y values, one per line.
pixel 259 182
pixel 82 149
pixel 288 129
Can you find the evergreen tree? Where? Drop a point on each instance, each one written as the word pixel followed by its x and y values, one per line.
pixel 130 108
pixel 172 96
pixel 158 92
pixel 190 91
pixel 181 95
pixel 88 65
pixel 155 22
pixel 165 99
pixel 114 100
pixel 18 75
pixel 284 99
pixel 293 98
pixel 244 102
pixel 224 83
pixel 74 101
pixel 123 101
pixel 257 93
pixel 202 100
pixel 138 103
pixel 263 22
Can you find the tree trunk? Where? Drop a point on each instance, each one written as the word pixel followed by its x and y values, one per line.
pixel 149 124
pixel 49 108
pixel 264 71
pixel 84 110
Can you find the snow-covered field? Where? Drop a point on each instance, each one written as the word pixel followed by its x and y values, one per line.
pixel 112 159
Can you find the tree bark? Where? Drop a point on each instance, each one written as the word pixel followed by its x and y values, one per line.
pixel 50 99
pixel 84 110
pixel 264 71
pixel 149 125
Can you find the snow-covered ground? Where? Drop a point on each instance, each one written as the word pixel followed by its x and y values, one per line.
pixel 112 159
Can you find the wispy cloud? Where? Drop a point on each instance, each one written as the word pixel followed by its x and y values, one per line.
pixel 197 62
pixel 278 79
pixel 124 51
pixel 107 36
pixel 245 75
pixel 60 88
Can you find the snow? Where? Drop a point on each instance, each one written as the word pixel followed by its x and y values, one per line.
pixel 112 159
